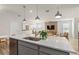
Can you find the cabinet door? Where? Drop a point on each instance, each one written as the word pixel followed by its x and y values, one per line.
pixel 51 51
pixel 42 53
pixel 27 44
pixel 25 48
pixel 22 50
pixel 13 46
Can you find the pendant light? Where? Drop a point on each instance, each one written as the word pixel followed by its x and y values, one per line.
pixel 24 7
pixel 58 14
pixel 37 17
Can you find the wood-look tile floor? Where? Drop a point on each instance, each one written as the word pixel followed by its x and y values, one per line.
pixel 4 51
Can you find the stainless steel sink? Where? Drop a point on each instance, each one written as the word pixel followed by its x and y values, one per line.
pixel 32 38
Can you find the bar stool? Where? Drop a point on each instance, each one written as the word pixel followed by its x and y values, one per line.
pixel 66 35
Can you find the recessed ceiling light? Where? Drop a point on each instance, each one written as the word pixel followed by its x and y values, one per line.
pixel 30 11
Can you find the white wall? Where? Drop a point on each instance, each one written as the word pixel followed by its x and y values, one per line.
pixel 15 26
pixel 76 20
pixel 4 23
pixel 9 23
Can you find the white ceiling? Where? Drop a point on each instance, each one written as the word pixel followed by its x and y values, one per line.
pixel 17 9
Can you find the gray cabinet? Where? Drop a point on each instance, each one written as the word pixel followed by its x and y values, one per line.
pixel 50 51
pixel 25 48
pixel 26 51
pixel 42 53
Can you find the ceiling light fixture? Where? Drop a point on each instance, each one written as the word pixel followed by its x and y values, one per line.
pixel 58 14
pixel 37 17
pixel 24 7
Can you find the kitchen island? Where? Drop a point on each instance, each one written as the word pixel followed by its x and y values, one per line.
pixel 53 45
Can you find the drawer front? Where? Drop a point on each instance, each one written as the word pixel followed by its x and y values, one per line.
pixel 26 44
pixel 26 51
pixel 52 51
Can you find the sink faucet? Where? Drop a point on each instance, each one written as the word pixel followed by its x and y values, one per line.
pixel 35 33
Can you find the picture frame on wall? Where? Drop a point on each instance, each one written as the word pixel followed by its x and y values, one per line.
pixel 27 27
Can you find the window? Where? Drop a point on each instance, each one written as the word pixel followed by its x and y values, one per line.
pixel 65 27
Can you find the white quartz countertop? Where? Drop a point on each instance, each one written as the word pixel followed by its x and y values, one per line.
pixel 60 43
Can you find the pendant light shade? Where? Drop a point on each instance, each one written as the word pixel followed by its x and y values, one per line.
pixel 37 17
pixel 24 7
pixel 58 15
pixel 24 19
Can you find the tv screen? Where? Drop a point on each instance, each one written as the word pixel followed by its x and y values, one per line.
pixel 51 27
pixel 48 27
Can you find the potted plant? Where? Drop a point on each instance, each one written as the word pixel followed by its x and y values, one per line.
pixel 43 34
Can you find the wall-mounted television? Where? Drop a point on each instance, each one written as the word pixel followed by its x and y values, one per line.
pixel 53 27
pixel 50 27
